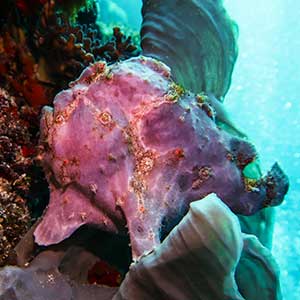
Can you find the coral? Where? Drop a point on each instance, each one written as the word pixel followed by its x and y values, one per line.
pixel 257 266
pixel 127 149
pixel 197 40
pixel 205 256
pixel 204 247
pixel 14 220
pixel 44 51
pixel 207 253
pixel 118 150
pixel 40 53
pixel 43 280
pixel 18 68
pixel 20 177
pixel 16 148
pixel 118 48
pixel 74 47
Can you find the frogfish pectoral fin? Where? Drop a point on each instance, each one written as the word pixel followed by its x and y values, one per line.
pixel 67 211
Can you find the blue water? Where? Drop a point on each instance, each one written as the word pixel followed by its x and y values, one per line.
pixel 264 101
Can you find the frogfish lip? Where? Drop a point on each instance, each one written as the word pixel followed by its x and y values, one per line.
pixel 68 210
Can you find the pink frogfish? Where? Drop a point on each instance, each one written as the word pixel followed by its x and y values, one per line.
pixel 127 149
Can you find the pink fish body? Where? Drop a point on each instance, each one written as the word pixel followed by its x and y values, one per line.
pixel 127 149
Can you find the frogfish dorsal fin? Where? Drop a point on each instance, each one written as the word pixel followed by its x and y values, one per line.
pixel 196 38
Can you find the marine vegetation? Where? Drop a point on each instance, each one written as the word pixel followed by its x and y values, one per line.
pixel 147 174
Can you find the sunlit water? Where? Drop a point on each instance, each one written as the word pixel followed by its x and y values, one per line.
pixel 264 101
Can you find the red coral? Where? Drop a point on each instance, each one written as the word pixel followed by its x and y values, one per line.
pixel 119 47
pixel 44 52
pixel 71 48
pixel 19 68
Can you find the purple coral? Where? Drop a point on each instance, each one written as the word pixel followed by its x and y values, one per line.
pixel 127 147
